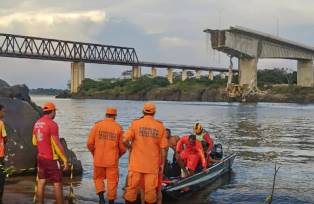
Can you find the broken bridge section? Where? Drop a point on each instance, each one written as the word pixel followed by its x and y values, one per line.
pixel 249 45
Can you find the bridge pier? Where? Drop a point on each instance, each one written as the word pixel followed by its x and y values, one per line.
pixel 230 76
pixel 198 74
pixel 154 72
pixel 170 75
pixel 305 74
pixel 136 72
pixel 248 72
pixel 211 75
pixel 77 75
pixel 184 75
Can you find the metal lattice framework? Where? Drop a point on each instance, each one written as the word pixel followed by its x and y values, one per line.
pixel 51 49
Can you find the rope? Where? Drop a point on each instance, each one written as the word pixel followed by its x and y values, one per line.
pixel 71 197
pixel 35 189
pixel 71 193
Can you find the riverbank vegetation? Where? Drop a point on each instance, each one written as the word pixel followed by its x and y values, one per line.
pixel 49 92
pixel 276 85
pixel 148 88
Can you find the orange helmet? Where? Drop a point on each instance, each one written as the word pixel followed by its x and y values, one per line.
pixel 149 108
pixel 198 128
pixel 49 107
pixel 111 111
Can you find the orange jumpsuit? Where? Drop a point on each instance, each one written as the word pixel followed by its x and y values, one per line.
pixel 105 143
pixel 191 155
pixel 148 137
pixel 3 134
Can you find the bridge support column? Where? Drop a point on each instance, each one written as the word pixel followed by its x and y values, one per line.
pixel 154 72
pixel 170 75
pixel 77 75
pixel 211 75
pixel 136 72
pixel 305 75
pixel 230 75
pixel 184 75
pixel 248 72
pixel 198 74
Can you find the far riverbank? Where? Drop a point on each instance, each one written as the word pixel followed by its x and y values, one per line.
pixel 202 90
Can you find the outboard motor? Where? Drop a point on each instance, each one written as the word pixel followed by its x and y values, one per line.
pixel 217 152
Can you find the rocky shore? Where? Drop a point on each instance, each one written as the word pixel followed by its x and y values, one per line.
pixel 210 94
pixel 163 94
pixel 21 114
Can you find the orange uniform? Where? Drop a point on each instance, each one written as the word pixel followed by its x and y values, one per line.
pixel 105 143
pixel 148 137
pixel 3 134
pixel 191 155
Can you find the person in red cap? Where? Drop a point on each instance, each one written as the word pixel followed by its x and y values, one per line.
pixel 49 151
pixel 149 142
pixel 105 144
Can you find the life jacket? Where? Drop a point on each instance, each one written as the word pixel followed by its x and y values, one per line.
pixel 201 136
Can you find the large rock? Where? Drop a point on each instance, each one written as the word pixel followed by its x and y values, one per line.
pixel 19 120
pixel 21 114
pixel 18 91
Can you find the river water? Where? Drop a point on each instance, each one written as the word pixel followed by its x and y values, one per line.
pixel 261 134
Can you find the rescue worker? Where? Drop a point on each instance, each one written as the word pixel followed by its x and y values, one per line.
pixel 203 136
pixel 149 143
pixel 105 144
pixel 49 151
pixel 172 169
pixel 3 135
pixel 173 140
pixel 190 156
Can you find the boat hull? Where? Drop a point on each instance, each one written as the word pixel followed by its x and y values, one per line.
pixel 198 181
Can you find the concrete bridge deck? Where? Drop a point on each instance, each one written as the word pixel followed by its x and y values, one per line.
pixel 249 45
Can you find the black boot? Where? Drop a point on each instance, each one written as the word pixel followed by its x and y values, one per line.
pixel 111 201
pixel 101 198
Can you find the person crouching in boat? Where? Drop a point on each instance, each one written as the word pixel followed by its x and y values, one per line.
pixel 191 155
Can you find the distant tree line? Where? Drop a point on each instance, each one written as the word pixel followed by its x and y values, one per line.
pixel 42 91
pixel 276 76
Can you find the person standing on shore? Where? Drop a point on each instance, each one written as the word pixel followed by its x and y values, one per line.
pixel 149 143
pixel 3 135
pixel 105 144
pixel 49 151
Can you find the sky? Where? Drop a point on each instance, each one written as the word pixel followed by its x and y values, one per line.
pixel 161 31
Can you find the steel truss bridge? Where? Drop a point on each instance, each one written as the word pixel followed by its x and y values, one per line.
pixel 19 46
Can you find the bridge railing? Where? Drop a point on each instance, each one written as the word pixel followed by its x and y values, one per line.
pixel 52 49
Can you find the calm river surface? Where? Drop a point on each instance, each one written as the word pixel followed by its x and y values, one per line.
pixel 261 134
